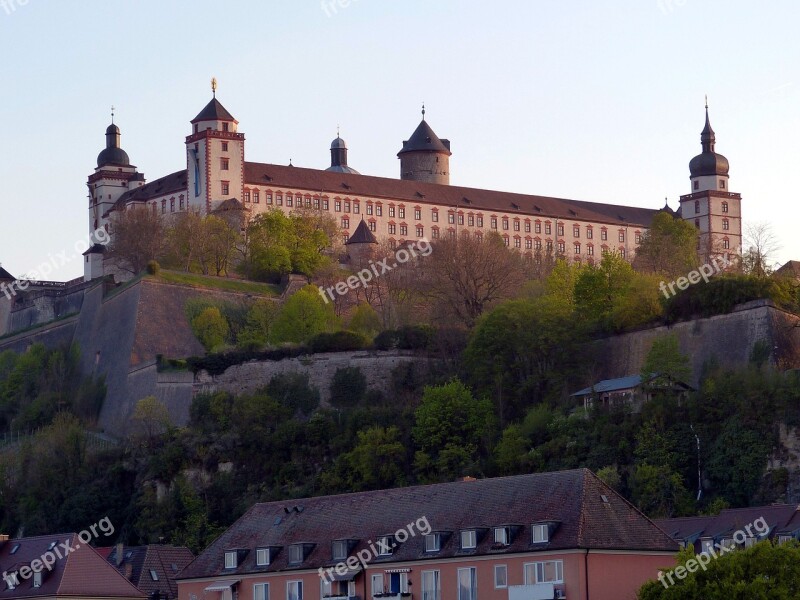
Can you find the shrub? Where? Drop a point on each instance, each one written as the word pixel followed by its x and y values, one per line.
pixel 153 267
pixel 340 341
pixel 210 327
pixel 348 387
pixel 386 340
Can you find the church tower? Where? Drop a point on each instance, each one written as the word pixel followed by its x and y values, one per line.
pixel 214 157
pixel 425 157
pixel 711 206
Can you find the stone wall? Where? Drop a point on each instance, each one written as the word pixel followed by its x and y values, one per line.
pixel 377 367
pixel 728 339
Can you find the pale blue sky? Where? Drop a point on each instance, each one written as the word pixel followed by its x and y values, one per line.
pixel 592 100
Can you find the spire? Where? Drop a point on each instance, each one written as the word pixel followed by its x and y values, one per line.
pixel 423 111
pixel 707 137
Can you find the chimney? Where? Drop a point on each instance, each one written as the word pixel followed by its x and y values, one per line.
pixel 119 554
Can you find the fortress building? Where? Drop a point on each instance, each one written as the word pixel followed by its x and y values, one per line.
pixel 421 204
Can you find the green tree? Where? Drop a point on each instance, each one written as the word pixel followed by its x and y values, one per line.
pixel 377 461
pixel 666 361
pixel 348 387
pixel 668 248
pixel 151 416
pixel 211 328
pixel 260 319
pixel 302 316
pixel 365 321
pixel 599 287
pixel 451 430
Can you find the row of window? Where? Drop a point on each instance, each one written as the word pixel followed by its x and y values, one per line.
pixel 388 584
pixel 181 205
pixel 697 205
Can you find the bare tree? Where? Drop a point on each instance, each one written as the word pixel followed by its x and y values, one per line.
pixel 467 275
pixel 762 244
pixel 137 238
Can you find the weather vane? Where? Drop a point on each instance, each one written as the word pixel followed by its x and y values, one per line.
pixel 423 111
pixel 214 86
pixel 112 114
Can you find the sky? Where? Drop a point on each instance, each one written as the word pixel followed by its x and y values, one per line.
pixel 591 100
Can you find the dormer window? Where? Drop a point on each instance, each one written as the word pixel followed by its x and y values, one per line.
pixel 386 545
pixel 469 539
pixel 340 550
pixel 540 534
pixel 296 554
pixel 502 535
pixel 262 557
pixel 433 542
pixel 231 561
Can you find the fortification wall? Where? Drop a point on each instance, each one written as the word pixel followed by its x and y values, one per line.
pixel 377 367
pixel 729 339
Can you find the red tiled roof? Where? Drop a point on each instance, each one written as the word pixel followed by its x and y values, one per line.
pixel 138 561
pixel 466 199
pixel 572 499
pixel 82 572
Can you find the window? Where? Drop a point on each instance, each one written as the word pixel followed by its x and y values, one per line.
pixel 724 207
pixel 345 223
pixel 516 224
pixel 460 219
pixel 431 587
pixel 604 234
pixel 337 205
pixel 471 220
pixel 398 583
pixel 500 577
pixel 435 232
pixel 451 218
pixel 269 198
pixel 339 550
pixel 180 201
pixel 501 535
pixel 549 246
pixel 224 146
pixel 377 584
pixel 576 231
pixel 224 127
pixel 576 248
pixel 480 221
pixel 369 208
pixel 262 557
pixel 697 207
pixel 517 241
pixel 432 540
pixel 622 252
pixel 537 244
pixel 153 575
pixel 722 184
pixel 279 199
pixel 505 223
pixel 403 229
pixel 261 591
pixel 493 223
pixel 726 244
pixel 468 539
pixel 385 545
pixel 750 542
pixel 163 206
pixel 560 229
pixel 230 560
pixel 372 226
pixel 435 215
pixel 255 196
pixel 505 240
pixel 224 163
pixel 325 204
pixel 468 584
pixel 528 243
pixel 379 210
pixel 295 554
pixel 590 249
pixel 172 205
pixel 562 246
pixel 539 534
pixel 347 206
pixel 316 202
pixel 548 229
pixel 401 212
pixel 391 211
pixel 782 539
pixel 226 188
pixel 392 228
pixel 622 236
pixel 589 233
pixel 289 200
pixel 725 224
pixel 417 214
pixel 696 185
pixel 420 231
pixel 637 238
pixel 246 196
pixel 294 590
pixel 356 207
pixel 549 571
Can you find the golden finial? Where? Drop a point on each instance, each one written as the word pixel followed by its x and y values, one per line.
pixel 214 86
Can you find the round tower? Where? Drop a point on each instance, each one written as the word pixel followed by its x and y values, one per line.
pixel 424 156
pixel 339 157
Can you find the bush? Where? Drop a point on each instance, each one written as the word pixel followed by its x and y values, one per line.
pixel 153 267
pixel 210 327
pixel 340 341
pixel 386 340
pixel 218 363
pixel 410 337
pixel 348 387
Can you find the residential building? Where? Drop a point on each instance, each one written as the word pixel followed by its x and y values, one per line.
pixel 152 568
pixel 77 571
pixel 539 536
pixel 628 390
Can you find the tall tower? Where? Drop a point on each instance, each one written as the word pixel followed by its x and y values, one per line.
pixel 711 206
pixel 214 157
pixel 425 157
